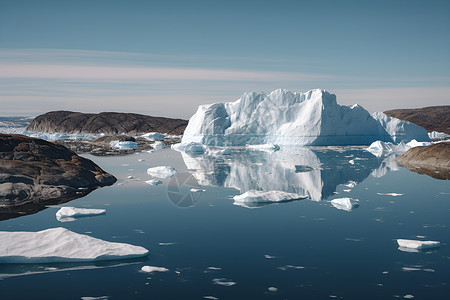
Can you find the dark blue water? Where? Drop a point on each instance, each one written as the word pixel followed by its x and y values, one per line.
pixel 304 249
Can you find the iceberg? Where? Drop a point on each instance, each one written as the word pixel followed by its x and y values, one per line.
pixel 154 182
pixel 380 148
pixel 61 245
pixel 347 204
pixel 66 214
pixel 415 244
pixel 150 269
pixel 158 145
pixel 415 143
pixel 285 118
pixel 126 145
pixel 162 172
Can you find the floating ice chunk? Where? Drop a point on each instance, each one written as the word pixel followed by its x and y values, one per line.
pixel 271 196
pixel 150 269
pixel 352 162
pixel 61 245
pixel 158 145
pixel 210 297
pixel 95 298
pixel 350 184
pixel 66 214
pixel 162 172
pixel 379 148
pixel 415 143
pixel 264 147
pixel 269 256
pixel 346 204
pixel 272 289
pixel 166 244
pixel 408 296
pixel 223 281
pixel 415 244
pixel 130 177
pixel 194 190
pixel 214 268
pixel 126 145
pixel 154 136
pixel 154 182
pixel 390 194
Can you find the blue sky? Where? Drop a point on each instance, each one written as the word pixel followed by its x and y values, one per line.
pixel 166 58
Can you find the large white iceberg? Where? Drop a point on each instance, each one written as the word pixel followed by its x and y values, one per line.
pixel 285 118
pixel 61 245
pixel 415 244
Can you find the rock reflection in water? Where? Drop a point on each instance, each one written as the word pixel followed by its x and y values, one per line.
pixel 311 171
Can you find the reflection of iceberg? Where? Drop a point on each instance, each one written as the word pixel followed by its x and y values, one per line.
pixel 14 270
pixel 313 171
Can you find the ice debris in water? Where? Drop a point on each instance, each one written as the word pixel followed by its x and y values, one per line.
pixel 390 194
pixel 154 182
pixel 379 148
pixel 154 136
pixel 65 214
pixel 271 196
pixel 150 269
pixel 126 145
pixel 272 289
pixel 162 172
pixel 61 245
pixel 346 204
pixel 264 147
pixel 416 244
pixel 158 145
pixel 223 281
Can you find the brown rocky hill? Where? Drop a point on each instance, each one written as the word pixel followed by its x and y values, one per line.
pixel 432 118
pixel 105 122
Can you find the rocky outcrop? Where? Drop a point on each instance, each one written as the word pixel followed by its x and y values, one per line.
pixel 432 118
pixel 39 171
pixel 105 122
pixel 433 160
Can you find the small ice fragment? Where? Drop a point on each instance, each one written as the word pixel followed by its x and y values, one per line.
pixel 127 145
pixel 154 136
pixel 95 298
pixel 269 256
pixel 407 269
pixel 408 296
pixel 390 194
pixel 158 145
pixel 210 297
pixel 150 269
pixel 214 268
pixel 223 281
pixel 153 182
pixel 194 190
pixel 162 172
pixel 350 184
pixel 166 244
pixel 272 289
pixel 347 191
pixel 385 272
pixel 352 162
pixel 140 159
pixel 346 204
pixel 415 244
pixel 130 177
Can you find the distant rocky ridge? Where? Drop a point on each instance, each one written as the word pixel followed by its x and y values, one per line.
pixel 37 171
pixel 433 160
pixel 105 122
pixel 432 118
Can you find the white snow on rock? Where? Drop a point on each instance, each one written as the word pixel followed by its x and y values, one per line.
pixel 162 172
pixel 154 182
pixel 61 245
pixel 126 145
pixel 416 244
pixel 154 136
pixel 347 204
pixel 285 118
pixel 255 196
pixel 65 214
pixel 158 145
pixel 150 269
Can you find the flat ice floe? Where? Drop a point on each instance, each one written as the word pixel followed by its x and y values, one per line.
pixel 223 281
pixel 67 214
pixel 154 182
pixel 254 196
pixel 347 204
pixel 416 244
pixel 61 245
pixel 150 269
pixel 162 172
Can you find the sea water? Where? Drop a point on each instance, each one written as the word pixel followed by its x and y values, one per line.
pixel 305 249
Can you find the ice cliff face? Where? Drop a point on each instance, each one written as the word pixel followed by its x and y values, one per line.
pixel 285 118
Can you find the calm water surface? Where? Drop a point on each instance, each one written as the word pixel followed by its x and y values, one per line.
pixel 304 249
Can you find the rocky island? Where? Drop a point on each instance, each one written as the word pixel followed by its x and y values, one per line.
pixel 35 173
pixel 106 122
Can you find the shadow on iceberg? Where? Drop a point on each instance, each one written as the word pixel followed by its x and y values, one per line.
pixel 311 171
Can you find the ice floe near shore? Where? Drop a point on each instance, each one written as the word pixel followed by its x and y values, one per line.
pixel 61 245
pixel 285 118
pixel 162 172
pixel 67 214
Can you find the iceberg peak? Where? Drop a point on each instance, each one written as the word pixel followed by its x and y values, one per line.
pixel 286 118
